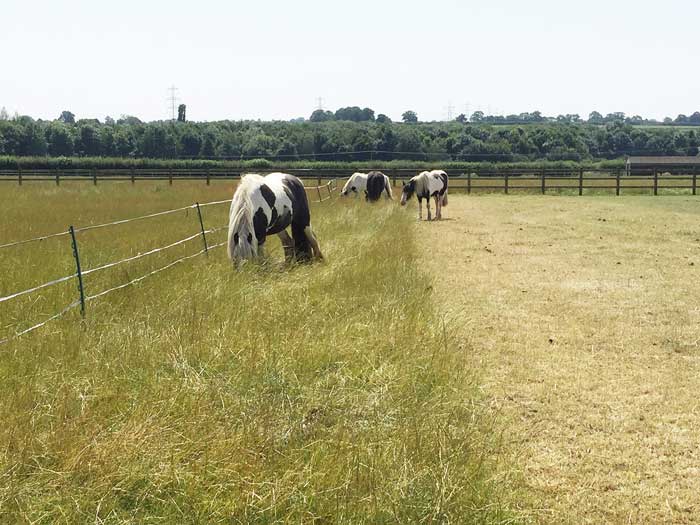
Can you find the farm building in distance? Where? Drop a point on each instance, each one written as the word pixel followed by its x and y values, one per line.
pixel 670 164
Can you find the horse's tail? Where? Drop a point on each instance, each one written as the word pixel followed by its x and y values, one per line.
pixel 444 198
pixel 387 186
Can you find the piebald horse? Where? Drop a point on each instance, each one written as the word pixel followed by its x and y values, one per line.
pixel 426 185
pixel 372 184
pixel 263 206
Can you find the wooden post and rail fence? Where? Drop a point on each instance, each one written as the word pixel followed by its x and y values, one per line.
pixel 528 180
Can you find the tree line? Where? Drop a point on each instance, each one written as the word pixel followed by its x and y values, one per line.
pixel 341 139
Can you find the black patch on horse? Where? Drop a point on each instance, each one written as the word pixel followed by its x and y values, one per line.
pixel 301 217
pixel 268 195
pixel 260 225
pixel 376 183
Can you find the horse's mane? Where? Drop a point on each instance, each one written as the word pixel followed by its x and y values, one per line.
pixel 241 214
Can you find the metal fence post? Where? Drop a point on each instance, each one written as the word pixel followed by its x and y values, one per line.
pixel 201 225
pixel 74 244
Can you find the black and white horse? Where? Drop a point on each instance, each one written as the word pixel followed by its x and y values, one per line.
pixel 357 183
pixel 372 184
pixel 426 185
pixel 377 183
pixel 265 206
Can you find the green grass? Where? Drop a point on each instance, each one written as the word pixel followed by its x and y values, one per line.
pixel 327 393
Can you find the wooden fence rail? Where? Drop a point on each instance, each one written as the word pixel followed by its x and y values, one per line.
pixel 575 180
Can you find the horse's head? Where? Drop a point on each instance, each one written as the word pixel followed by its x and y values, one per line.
pixel 351 185
pixel 243 245
pixel 409 189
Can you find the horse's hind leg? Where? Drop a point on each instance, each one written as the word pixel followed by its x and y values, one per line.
pixel 315 249
pixel 420 209
pixel 287 245
pixel 438 207
pixel 427 205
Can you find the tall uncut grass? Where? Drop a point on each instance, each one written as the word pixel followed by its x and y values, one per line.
pixel 326 393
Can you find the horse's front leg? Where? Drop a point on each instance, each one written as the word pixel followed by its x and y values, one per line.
pixel 427 205
pixel 438 208
pixel 420 209
pixel 287 245
pixel 315 248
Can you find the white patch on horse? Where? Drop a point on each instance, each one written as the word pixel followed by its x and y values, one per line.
pixel 357 183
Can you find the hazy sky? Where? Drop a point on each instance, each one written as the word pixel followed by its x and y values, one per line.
pixel 272 60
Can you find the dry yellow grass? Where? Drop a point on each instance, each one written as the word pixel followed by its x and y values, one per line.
pixel 582 315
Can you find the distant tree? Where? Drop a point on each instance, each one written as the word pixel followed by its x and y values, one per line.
pixel 595 118
pixel 60 141
pixel 129 120
pixel 368 114
pixel 89 140
pixel 694 118
pixel 3 114
pixel 354 114
pixel 668 120
pixel 109 121
pixel 409 117
pixel 462 118
pixel 33 140
pixel 477 116
pixel 190 142
pixel 681 119
pixel 297 120
pixel 67 117
pixel 181 113
pixel 383 119
pixel 321 116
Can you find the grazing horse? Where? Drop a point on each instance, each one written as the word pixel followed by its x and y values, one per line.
pixel 377 183
pixel 356 183
pixel 426 185
pixel 263 206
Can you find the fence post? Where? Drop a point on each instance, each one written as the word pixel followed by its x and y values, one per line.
pixel 543 182
pixel 94 177
pixel 318 189
pixel 505 184
pixel 580 181
pixel 74 244
pixel 208 177
pixel 617 183
pixel 656 182
pixel 170 177
pixel 19 175
pixel 695 177
pixel 201 225
pixel 133 175
pixel 58 180
pixel 469 183
pixel 330 193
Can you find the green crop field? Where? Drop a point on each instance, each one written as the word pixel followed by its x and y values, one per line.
pixel 330 393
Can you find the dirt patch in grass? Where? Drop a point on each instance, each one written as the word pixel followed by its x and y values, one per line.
pixel 582 316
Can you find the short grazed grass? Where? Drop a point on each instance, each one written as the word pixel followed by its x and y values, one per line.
pixel 582 316
pixel 327 393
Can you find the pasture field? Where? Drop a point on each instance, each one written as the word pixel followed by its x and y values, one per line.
pixel 329 393
pixel 582 317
